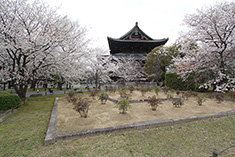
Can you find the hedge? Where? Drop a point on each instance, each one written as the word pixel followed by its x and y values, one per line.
pixel 8 101
pixel 173 81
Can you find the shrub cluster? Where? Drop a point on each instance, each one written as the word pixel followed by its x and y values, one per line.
pixel 144 89
pixel 165 89
pixel 71 96
pixel 103 98
pixel 131 88
pixel 111 89
pixel 200 100
pixel 177 102
pixel 185 95
pixel 82 106
pixel 157 89
pixel 123 94
pixel 8 101
pixel 123 105
pixel 71 93
pixel 93 92
pixel 219 97
pixel 154 102
pixel 231 94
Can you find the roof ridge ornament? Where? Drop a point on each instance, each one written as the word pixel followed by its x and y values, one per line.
pixel 136 23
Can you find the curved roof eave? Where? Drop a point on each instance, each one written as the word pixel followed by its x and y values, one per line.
pixel 136 41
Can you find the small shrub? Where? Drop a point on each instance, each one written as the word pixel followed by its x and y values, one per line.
pixel 82 106
pixel 143 90
pixel 219 97
pixel 137 88
pixel 103 98
pixel 123 105
pixel 191 93
pixel 73 100
pixel 231 94
pixel 121 87
pixel 153 101
pixel 177 92
pixel 93 93
pixel 114 89
pixel 123 94
pixel 200 100
pixel 131 88
pixel 8 101
pixel 165 89
pixel 156 89
pixel 177 102
pixel 106 88
pixel 185 95
pixel 71 93
pixel 111 89
pixel 211 95
pixel 169 96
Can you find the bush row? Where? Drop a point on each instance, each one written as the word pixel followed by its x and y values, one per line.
pixel 8 101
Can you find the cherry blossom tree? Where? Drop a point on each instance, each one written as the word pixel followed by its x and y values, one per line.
pixel 127 68
pixel 36 41
pixel 101 67
pixel 212 30
pixel 98 66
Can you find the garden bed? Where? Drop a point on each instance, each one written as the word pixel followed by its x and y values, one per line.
pixel 108 115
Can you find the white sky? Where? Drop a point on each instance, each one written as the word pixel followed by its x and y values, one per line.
pixel 157 18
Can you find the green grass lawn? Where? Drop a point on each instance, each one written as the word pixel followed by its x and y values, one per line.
pixel 23 133
pixel 7 91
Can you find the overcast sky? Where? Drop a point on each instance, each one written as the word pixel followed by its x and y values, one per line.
pixel 157 18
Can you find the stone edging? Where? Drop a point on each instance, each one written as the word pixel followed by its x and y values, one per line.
pixel 135 101
pixel 51 131
pixel 52 136
pixel 7 112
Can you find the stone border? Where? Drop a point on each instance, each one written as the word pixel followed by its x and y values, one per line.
pixel 135 101
pixel 7 112
pixel 52 136
pixel 51 131
pixel 4 114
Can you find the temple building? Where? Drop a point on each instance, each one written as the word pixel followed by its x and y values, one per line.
pixel 134 43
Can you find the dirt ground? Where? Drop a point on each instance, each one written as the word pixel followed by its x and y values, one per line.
pixel 107 115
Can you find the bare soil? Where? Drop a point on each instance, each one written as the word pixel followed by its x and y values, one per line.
pixel 107 115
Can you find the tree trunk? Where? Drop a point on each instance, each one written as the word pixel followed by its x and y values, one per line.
pixel 9 84
pixel 4 86
pixel 33 85
pixel 59 85
pixel 96 80
pixel 45 86
pixel 214 87
pixel 21 91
